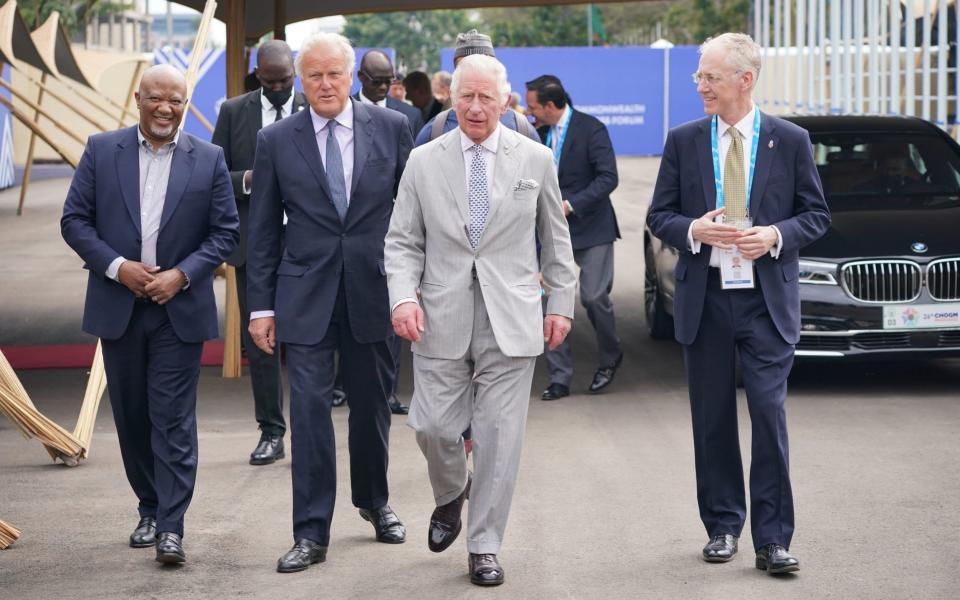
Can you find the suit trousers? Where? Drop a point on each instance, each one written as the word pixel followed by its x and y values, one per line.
pixel 152 378
pixel 737 320
pixel 264 370
pixel 367 371
pixel 596 283
pixel 444 405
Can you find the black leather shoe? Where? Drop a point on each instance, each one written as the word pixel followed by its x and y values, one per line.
pixel 774 559
pixel 386 523
pixel 604 375
pixel 268 451
pixel 303 554
pixel 555 391
pixel 170 549
pixel 145 535
pixel 720 548
pixel 339 397
pixel 485 570
pixel 445 522
pixel 397 407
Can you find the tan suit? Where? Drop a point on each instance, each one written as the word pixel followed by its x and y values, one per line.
pixel 482 313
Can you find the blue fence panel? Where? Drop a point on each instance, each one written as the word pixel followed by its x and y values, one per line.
pixel 623 87
pixel 685 103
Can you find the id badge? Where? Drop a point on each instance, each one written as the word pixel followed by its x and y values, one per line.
pixel 736 272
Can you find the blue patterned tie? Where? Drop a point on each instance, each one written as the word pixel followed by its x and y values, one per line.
pixel 334 168
pixel 478 195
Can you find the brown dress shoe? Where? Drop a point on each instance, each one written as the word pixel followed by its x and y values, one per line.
pixel 445 522
pixel 485 570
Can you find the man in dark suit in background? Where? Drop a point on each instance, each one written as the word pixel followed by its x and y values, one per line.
pixel 376 74
pixel 587 169
pixel 151 213
pixel 238 123
pixel 334 169
pixel 721 209
pixel 420 94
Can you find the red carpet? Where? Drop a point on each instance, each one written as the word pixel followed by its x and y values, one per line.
pixel 79 356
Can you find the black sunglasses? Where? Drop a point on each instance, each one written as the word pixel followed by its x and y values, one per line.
pixel 378 81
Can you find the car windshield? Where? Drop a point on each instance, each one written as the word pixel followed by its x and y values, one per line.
pixel 857 164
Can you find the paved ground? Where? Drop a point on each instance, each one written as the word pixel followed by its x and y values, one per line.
pixel 605 506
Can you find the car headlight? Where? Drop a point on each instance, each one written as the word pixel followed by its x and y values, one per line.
pixel 818 273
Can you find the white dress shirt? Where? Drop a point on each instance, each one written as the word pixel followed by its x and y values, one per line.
pixel 268 116
pixel 154 175
pixel 556 131
pixel 745 127
pixel 489 158
pixel 344 133
pixel 365 100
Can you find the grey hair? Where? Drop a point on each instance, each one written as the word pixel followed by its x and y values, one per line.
pixel 740 52
pixel 328 40
pixel 481 64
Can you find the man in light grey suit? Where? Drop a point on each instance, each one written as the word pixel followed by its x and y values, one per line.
pixel 469 300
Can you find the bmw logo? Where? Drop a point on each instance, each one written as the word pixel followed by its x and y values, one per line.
pixel 918 247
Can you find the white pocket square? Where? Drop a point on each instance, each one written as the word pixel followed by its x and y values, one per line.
pixel 526 184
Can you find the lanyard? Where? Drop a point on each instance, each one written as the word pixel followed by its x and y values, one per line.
pixel 718 180
pixel 564 128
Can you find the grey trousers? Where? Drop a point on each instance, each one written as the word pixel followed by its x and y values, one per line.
pixel 596 282
pixel 443 407
pixel 264 370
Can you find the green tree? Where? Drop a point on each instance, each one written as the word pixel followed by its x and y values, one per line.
pixel 537 26
pixel 693 21
pixel 416 36
pixel 75 15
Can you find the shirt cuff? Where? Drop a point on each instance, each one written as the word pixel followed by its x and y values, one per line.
pixel 569 207
pixel 246 190
pixel 778 247
pixel 113 270
pixel 402 301
pixel 186 279
pixel 692 245
pixel 261 314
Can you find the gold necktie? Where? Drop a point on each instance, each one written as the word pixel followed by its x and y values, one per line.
pixel 734 182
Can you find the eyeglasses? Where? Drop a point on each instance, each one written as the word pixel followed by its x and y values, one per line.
pixel 378 81
pixel 711 79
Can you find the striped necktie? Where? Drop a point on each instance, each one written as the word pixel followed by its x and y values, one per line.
pixel 734 182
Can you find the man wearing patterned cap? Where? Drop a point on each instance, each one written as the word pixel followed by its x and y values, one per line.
pixel 470 43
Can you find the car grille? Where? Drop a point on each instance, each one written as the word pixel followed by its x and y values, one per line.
pixel 943 279
pixel 880 340
pixel 950 339
pixel 882 281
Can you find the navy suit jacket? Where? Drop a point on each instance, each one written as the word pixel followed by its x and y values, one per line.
pixel 588 175
pixel 198 229
pixel 238 122
pixel 412 113
pixel 299 281
pixel 786 192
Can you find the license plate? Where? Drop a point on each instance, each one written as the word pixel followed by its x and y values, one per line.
pixel 921 316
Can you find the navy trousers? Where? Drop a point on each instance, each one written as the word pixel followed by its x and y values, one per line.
pixel 152 379
pixel 367 373
pixel 737 320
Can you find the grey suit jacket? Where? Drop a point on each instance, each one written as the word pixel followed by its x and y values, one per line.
pixel 427 248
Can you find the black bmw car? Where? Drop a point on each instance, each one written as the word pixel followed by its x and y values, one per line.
pixel 885 279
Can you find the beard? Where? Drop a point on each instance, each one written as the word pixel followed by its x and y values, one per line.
pixel 162 132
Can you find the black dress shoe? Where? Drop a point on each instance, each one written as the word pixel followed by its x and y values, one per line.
pixel 339 397
pixel 720 548
pixel 774 559
pixel 145 535
pixel 485 570
pixel 445 522
pixel 170 549
pixel 303 554
pixel 397 407
pixel 555 391
pixel 604 375
pixel 268 451
pixel 386 523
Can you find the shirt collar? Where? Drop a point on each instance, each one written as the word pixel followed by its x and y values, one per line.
pixel 744 125
pixel 287 106
pixel 345 118
pixel 141 140
pixel 365 100
pixel 563 118
pixel 491 143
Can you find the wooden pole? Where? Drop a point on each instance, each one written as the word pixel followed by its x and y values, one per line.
pixel 236 71
pixel 31 147
pixel 280 19
pixel 134 82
